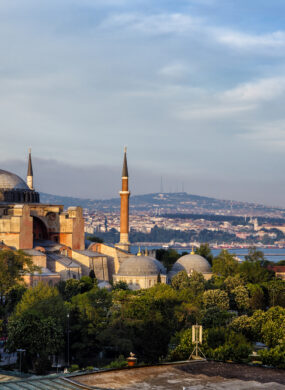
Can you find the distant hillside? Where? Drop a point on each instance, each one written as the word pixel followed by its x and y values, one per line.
pixel 180 202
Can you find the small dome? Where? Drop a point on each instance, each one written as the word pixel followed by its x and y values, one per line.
pixel 191 262
pixel 140 266
pixel 11 181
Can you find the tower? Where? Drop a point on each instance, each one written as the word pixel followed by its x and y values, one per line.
pixel 124 194
pixel 30 178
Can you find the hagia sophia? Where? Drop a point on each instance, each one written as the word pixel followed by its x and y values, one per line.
pixel 54 239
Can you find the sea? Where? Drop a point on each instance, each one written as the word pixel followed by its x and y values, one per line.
pixel 271 254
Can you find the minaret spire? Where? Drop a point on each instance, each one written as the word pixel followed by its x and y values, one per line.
pixel 125 172
pixel 124 194
pixel 30 176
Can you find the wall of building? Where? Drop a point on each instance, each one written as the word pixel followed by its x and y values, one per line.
pixel 139 282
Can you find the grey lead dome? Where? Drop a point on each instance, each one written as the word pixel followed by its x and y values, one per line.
pixel 10 181
pixel 141 266
pixel 191 262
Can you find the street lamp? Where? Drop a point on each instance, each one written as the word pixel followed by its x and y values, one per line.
pixel 21 351
pixel 67 339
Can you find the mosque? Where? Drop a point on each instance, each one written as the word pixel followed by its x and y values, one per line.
pixel 54 239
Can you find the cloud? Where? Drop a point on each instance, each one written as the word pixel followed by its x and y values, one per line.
pixel 240 40
pixel 256 91
pixel 174 71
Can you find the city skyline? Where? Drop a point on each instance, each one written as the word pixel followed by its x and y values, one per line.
pixel 195 90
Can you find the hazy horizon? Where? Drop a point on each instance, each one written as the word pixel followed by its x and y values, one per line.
pixel 104 182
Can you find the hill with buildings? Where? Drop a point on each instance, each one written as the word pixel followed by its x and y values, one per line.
pixel 161 203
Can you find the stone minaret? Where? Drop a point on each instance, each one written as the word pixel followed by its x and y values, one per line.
pixel 124 194
pixel 30 179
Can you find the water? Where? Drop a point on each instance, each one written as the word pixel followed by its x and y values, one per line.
pixel 275 254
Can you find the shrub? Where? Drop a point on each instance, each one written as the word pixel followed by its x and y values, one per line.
pixel 274 356
pixel 74 367
pixel 120 362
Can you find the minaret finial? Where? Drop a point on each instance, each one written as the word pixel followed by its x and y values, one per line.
pixel 30 172
pixel 125 172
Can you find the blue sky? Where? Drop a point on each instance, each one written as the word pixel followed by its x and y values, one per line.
pixel 194 88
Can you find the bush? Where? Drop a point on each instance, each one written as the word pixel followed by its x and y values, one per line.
pixel 120 362
pixel 183 347
pixel 74 367
pixel 274 356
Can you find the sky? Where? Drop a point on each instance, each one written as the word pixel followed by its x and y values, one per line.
pixel 194 88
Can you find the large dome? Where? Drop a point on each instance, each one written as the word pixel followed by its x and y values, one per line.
pixel 10 181
pixel 140 266
pixel 190 263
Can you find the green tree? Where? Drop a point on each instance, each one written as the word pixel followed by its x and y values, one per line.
pixel 218 298
pixel 180 280
pixel 167 257
pixel 88 317
pixel 205 251
pixel 120 286
pixel 94 239
pixel 37 325
pixel 256 297
pixel 241 298
pixel 13 265
pixel 225 264
pixel 233 281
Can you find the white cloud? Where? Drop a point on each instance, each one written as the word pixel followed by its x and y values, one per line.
pixel 241 40
pixel 260 90
pixel 174 71
pixel 213 111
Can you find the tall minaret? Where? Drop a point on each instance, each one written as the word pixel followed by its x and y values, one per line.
pixel 30 180
pixel 124 194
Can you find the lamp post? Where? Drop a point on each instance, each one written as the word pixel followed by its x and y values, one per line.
pixel 20 350
pixel 67 339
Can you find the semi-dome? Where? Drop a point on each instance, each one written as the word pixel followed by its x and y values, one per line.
pixel 140 266
pixel 190 263
pixel 10 181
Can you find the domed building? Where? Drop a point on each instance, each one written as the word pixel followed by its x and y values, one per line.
pixel 140 272
pixel 192 262
pixel 14 189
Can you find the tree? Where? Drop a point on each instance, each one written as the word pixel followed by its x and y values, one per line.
pixel 241 298
pixel 276 292
pixel 216 298
pixel 13 265
pixel 180 280
pixel 37 325
pixel 88 317
pixel 159 278
pixel 205 251
pixel 94 239
pixel 225 264
pixel 273 327
pixel 121 286
pixel 254 255
pixel 256 297
pixel 93 276
pixel 196 283
pixel 85 284
pixel 215 317
pixel 167 257
pixel 233 281
pixel 254 272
